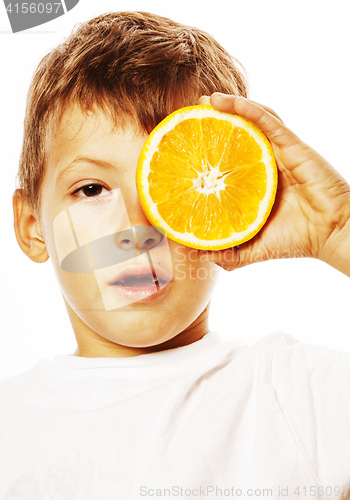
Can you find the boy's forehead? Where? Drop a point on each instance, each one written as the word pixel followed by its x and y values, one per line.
pixel 74 126
pixel 77 133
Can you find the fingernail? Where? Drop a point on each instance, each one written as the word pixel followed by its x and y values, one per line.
pixel 225 96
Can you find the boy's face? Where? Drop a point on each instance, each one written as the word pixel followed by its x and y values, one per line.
pixel 89 187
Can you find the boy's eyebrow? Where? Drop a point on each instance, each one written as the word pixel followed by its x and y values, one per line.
pixel 71 166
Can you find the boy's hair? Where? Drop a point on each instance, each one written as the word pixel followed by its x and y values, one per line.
pixel 134 66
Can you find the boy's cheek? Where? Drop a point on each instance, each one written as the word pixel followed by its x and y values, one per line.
pixel 81 292
pixel 193 268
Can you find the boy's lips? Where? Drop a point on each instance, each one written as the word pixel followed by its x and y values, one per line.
pixel 140 282
pixel 138 272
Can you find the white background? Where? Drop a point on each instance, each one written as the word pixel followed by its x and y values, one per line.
pixel 297 57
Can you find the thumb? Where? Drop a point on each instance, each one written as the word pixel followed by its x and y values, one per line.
pixel 228 259
pixel 235 257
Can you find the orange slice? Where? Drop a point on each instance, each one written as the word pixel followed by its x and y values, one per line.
pixel 207 178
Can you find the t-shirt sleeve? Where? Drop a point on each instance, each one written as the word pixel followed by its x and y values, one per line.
pixel 312 387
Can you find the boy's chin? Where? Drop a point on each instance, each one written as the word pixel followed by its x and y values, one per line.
pixel 134 336
pixel 125 327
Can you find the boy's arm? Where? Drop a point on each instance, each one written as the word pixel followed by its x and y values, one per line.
pixel 311 214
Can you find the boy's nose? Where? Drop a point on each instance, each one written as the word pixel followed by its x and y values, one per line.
pixel 147 237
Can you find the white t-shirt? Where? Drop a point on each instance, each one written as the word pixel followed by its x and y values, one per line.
pixel 209 420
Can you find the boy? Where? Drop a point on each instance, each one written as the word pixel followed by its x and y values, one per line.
pixel 152 403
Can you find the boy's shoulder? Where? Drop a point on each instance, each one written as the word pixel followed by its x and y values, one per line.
pixel 311 385
pixel 299 359
pixel 305 375
pixel 291 361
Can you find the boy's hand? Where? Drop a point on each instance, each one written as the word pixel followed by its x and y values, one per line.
pixel 311 214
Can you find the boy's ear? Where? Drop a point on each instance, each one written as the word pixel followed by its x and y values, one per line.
pixel 27 228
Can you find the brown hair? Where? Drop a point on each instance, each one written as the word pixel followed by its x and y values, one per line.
pixel 135 66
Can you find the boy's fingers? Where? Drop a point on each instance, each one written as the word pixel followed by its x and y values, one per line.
pixel 204 99
pixel 230 101
pixel 269 123
pixel 270 110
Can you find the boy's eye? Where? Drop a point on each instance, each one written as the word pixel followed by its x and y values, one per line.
pixel 91 190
